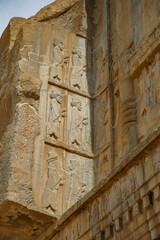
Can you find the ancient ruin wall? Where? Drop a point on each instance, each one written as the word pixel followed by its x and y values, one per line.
pixel 79 101
pixel 46 128
pixel 125 58
pixel 126 53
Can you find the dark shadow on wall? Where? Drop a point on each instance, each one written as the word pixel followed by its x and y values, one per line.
pixel 89 60
pixel 100 86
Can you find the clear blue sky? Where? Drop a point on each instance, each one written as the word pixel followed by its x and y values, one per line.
pixel 19 8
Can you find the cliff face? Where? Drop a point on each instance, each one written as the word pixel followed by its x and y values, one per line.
pixel 46 158
pixel 79 101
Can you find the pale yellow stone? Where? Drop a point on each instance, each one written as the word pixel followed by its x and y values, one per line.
pixel 80 122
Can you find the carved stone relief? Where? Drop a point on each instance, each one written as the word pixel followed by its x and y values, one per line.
pixel 103 165
pixel 102 121
pixel 129 124
pixel 60 62
pixel 79 178
pixel 128 111
pixel 148 98
pixel 64 67
pixel 78 75
pixel 69 66
pixel 58 54
pixel 79 129
pixel 100 64
pixel 53 192
pixel 56 114
pixel 58 51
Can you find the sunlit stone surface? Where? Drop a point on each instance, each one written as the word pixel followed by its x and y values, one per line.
pixel 80 122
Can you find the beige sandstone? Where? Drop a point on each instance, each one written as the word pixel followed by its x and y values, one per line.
pixel 80 122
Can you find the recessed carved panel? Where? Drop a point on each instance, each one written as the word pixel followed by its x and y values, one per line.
pixel 79 123
pixel 148 98
pixel 68 62
pixel 79 178
pixel 56 113
pixel 102 121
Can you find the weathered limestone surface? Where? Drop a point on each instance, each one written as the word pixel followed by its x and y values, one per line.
pixel 80 122
pixel 46 155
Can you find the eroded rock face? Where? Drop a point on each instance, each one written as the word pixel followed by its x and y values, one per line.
pixel 17 222
pixel 46 155
pixel 79 101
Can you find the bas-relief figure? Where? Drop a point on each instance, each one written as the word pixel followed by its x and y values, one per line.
pixel 56 115
pixel 60 65
pixel 64 67
pixel 78 77
pixel 53 193
pixel 79 178
pixel 78 74
pixel 69 67
pixel 78 129
pixel 77 57
pixel 58 52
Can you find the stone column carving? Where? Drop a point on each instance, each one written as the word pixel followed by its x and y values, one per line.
pixel 129 115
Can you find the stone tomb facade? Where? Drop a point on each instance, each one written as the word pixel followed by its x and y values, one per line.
pixel 80 122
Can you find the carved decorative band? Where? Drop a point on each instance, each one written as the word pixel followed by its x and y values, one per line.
pixel 74 150
pixel 126 217
pixel 142 56
pixel 143 200
pixel 129 112
pixel 69 89
pixel 80 93
pixel 68 148
pixel 137 61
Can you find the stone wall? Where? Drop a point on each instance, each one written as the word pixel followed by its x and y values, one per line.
pixel 124 206
pixel 125 96
pixel 79 133
pixel 127 38
pixel 46 155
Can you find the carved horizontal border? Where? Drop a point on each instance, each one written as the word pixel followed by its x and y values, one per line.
pixel 78 92
pixel 119 225
pixel 125 164
pixel 68 148
pixel 74 150
pixel 69 89
pixel 138 204
pixel 140 58
pixel 130 210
